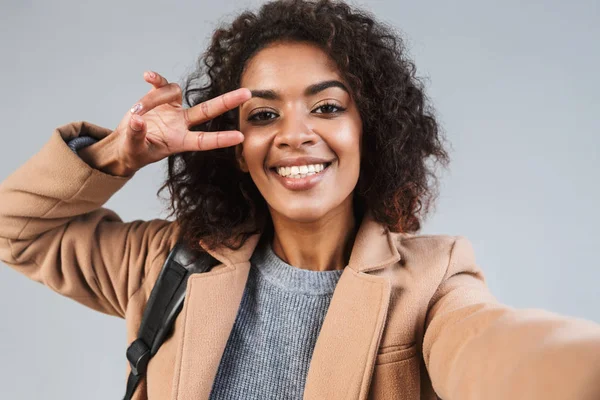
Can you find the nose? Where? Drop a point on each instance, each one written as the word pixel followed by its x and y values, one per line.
pixel 294 132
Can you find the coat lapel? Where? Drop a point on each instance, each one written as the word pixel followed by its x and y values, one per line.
pixel 210 308
pixel 345 352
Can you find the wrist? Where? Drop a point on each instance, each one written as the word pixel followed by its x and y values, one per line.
pixel 103 156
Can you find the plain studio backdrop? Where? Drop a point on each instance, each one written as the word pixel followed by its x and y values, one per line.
pixel 515 86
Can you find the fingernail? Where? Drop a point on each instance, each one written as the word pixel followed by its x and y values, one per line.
pixel 151 74
pixel 135 109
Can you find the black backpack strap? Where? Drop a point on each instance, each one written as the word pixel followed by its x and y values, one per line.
pixel 164 304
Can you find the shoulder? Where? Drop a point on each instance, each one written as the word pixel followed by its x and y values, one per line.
pixel 432 246
pixel 436 254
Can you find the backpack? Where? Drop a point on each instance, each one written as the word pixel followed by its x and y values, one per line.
pixel 164 304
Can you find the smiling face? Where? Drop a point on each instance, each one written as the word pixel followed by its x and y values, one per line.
pixel 302 132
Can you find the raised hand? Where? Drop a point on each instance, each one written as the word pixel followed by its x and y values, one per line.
pixel 158 126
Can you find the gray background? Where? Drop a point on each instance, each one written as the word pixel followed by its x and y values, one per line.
pixel 515 85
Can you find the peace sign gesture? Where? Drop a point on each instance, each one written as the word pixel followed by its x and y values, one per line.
pixel 158 126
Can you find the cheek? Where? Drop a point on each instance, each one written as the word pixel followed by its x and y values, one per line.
pixel 349 150
pixel 255 152
pixel 347 145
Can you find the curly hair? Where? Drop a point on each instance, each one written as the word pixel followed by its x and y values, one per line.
pixel 214 201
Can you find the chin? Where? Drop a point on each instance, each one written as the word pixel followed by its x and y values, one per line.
pixel 301 213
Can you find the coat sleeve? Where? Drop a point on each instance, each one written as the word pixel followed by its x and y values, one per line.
pixel 54 230
pixel 477 348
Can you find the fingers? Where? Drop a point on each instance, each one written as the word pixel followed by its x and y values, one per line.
pixel 166 94
pixel 155 79
pixel 200 141
pixel 211 108
pixel 135 135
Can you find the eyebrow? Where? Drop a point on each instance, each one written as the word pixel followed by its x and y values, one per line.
pixel 309 91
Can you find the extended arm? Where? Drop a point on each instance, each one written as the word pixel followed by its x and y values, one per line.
pixel 477 348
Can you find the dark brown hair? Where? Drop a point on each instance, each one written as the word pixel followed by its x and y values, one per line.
pixel 214 201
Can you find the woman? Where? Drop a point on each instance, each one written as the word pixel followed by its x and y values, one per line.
pixel 301 165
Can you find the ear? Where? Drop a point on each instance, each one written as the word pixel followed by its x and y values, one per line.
pixel 240 158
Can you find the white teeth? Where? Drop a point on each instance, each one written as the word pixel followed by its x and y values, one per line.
pixel 300 171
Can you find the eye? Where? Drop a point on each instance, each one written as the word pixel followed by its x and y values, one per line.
pixel 329 107
pixel 261 116
pixel 266 115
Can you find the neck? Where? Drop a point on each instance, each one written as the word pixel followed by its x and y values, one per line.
pixel 321 245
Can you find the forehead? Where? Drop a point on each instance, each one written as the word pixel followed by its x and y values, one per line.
pixel 286 63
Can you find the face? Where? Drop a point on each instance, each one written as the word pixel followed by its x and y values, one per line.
pixel 302 132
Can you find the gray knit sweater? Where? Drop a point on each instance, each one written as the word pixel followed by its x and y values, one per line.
pixel 274 334
pixel 281 313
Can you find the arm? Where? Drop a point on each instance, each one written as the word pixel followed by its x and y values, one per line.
pixel 54 229
pixel 476 348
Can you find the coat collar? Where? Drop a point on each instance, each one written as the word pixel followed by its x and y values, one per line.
pixel 374 248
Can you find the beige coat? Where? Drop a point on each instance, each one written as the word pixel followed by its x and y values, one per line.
pixel 411 315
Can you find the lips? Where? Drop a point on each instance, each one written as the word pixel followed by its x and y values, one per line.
pixel 298 184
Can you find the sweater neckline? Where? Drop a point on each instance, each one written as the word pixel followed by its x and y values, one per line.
pixel 290 278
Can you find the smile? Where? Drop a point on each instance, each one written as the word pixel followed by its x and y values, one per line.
pixel 300 171
pixel 301 177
